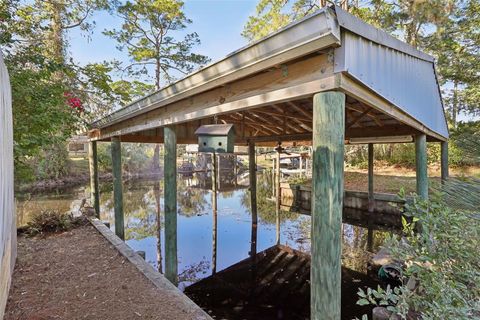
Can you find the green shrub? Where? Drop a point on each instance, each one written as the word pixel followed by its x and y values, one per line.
pixel 443 260
pixel 48 221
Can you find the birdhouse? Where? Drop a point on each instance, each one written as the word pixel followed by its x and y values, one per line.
pixel 218 138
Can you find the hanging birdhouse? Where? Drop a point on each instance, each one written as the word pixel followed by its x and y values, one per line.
pixel 218 138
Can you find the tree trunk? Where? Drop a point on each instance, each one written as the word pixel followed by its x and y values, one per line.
pixel 455 104
pixel 156 154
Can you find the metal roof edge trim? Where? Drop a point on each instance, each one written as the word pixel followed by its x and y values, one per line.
pixel 441 98
pixel 363 29
pixel 333 30
pixel 394 104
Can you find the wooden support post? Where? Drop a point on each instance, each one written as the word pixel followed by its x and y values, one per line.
pixel 278 196
pixel 117 187
pixel 252 168
pixel 444 160
pixel 170 192
pixel 421 165
pixel 371 200
pixel 214 209
pixel 94 189
pixel 327 204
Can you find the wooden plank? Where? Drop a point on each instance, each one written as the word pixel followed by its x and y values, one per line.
pixel 306 124
pixel 357 118
pixel 286 115
pixel 93 166
pixel 170 187
pixel 444 160
pixel 117 187
pixel 327 204
pixel 421 165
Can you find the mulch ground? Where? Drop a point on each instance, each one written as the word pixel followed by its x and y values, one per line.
pixel 79 275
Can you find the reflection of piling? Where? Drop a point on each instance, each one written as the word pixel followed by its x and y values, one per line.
pixel 371 201
pixel 117 187
pixel 252 167
pixel 156 190
pixel 94 189
pixel 214 208
pixel 277 195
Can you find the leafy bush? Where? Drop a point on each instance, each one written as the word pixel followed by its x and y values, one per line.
pixel 53 162
pixel 442 259
pixel 464 147
pixel 48 221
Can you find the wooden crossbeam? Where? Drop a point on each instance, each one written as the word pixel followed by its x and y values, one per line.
pixel 286 115
pixel 300 121
pixel 272 128
pixel 360 116
pixel 286 124
pixel 300 110
pixel 370 115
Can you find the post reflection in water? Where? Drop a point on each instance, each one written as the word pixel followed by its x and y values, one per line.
pixel 156 189
pixel 215 230
pixel 214 213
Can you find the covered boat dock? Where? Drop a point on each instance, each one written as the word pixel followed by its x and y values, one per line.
pixel 326 81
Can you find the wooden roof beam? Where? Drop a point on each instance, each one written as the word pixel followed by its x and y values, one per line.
pixel 300 122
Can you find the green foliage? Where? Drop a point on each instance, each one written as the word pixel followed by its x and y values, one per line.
pixel 44 81
pixel 135 157
pixel 464 146
pixel 41 116
pixel 442 259
pixel 147 33
pixel 53 162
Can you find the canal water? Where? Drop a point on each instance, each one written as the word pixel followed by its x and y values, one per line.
pixel 197 259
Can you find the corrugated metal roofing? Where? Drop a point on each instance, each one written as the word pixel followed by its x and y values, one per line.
pixel 394 70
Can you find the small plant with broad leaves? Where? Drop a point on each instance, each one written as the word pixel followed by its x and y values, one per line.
pixel 441 264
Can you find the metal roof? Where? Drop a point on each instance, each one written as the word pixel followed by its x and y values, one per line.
pixel 312 33
pixel 393 69
pixel 214 129
pixel 401 74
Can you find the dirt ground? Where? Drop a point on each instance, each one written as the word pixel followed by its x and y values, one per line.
pixel 79 275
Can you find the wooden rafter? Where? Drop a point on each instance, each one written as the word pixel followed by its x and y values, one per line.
pixel 289 116
pixel 287 125
pixel 362 109
pixel 358 117
pixel 300 109
pixel 300 121
pixel 255 123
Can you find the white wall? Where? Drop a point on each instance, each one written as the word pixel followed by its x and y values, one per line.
pixel 8 238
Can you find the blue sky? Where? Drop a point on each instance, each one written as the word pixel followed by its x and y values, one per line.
pixel 217 22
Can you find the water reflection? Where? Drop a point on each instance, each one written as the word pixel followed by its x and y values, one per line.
pixel 215 229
